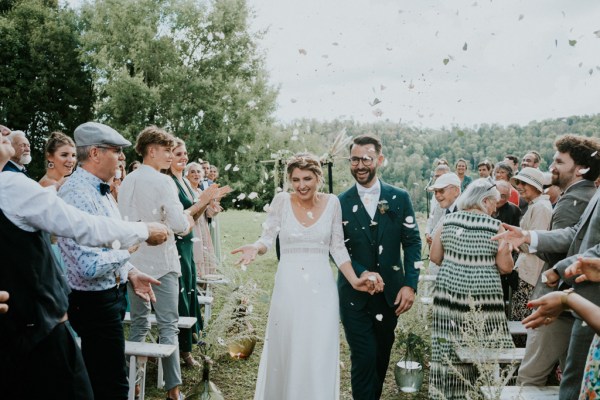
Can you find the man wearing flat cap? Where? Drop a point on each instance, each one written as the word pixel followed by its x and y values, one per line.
pixel 98 276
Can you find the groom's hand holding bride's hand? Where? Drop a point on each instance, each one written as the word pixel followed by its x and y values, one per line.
pixel 249 253
pixel 370 282
pixel 404 299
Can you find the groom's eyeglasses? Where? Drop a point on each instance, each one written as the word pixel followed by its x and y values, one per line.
pixel 367 161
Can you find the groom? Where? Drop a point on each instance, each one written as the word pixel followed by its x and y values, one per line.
pixel 378 219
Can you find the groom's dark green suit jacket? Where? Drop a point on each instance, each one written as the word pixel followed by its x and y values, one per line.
pixel 375 245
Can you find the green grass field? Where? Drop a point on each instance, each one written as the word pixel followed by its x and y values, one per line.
pixel 236 378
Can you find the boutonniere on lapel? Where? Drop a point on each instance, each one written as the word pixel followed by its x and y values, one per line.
pixel 383 206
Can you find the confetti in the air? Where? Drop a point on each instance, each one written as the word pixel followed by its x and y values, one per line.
pixel 116 245
pixel 302 51
pixel 355 208
pixel 464 46
pixel 227 167
pixel 374 102
pixel 236 168
pixel 584 171
pixel 309 214
pixel 409 219
pixel 396 268
pixel 572 42
pixel 379 317
pixel 574 203
pixel 252 195
pixel 594 154
pixel 380 249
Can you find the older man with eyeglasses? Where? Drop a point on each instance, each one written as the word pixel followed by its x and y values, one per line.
pixel 98 276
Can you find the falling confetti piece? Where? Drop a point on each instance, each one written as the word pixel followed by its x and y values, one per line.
pixel 335 44
pixel 465 47
pixel 521 17
pixel 544 278
pixel 228 139
pixel 396 268
pixel 302 51
pixel 241 196
pixel 344 223
pixel 409 226
pixel 597 33
pixel 572 42
pixel 309 214
pixel 393 197
pixel 227 167
pixel 293 100
pixel 381 87
pixel 445 61
pixel 236 168
pixel 373 223
pixel 379 317
pixel 584 171
pixel 409 219
pixel 574 203
pixel 116 245
pixel 252 195
pixel 594 154
pixel 374 102
pixel 355 208
pixel 195 239
pixel 380 249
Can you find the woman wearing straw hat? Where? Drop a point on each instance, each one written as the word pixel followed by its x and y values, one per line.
pixel 529 183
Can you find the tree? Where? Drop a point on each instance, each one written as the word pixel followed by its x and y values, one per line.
pixel 43 84
pixel 194 69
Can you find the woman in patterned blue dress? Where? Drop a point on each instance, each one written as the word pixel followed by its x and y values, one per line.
pixel 469 276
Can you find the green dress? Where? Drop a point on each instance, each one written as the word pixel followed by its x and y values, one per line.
pixel 188 297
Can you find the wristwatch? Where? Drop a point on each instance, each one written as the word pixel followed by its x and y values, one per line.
pixel 563 298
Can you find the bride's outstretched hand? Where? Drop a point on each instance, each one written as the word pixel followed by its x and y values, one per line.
pixel 249 253
pixel 370 282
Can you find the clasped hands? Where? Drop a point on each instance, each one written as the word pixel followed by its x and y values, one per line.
pixel 551 305
pixel 370 282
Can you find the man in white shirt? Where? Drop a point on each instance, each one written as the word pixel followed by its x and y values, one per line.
pixel 34 335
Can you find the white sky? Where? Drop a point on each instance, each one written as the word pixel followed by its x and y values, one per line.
pixel 518 66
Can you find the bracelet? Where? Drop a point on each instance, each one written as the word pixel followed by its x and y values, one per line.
pixel 565 295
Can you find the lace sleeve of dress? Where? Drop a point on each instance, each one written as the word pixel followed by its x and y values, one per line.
pixel 272 225
pixel 337 248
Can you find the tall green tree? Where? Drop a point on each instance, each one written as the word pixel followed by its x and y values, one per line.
pixel 189 66
pixel 43 84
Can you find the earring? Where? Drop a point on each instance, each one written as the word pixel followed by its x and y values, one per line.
pixel 50 165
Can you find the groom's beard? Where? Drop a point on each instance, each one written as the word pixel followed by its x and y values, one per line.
pixel 370 176
pixel 25 159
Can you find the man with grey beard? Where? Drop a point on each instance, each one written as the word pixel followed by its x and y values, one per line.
pixel 22 155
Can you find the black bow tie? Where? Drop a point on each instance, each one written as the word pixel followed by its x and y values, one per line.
pixel 104 189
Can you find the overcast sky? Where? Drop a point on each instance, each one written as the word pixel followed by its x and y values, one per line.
pixel 507 61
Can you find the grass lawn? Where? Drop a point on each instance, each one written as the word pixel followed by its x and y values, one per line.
pixel 236 378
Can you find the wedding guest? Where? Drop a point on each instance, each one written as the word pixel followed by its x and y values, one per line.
pixel 503 172
pixel 204 252
pixel 115 182
pixel 436 211
pixel 213 174
pixel 149 196
pixel 188 296
pixel 35 338
pixel 98 276
pixel 485 168
pixel 469 276
pixel 513 162
pixel 133 166
pixel 529 182
pixel 22 154
pixel 531 159
pixel 60 159
pixel 302 342
pixel 461 168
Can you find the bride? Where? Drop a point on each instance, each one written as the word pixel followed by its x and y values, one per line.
pixel 300 358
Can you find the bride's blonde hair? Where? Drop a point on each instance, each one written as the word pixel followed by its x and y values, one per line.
pixel 307 162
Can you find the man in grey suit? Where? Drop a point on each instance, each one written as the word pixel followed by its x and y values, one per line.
pixel 581 239
pixel 548 344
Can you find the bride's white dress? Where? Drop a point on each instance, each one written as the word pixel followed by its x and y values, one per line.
pixel 300 358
